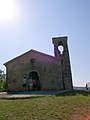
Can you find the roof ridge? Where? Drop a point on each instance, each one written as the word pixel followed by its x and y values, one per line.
pixel 42 53
pixel 32 50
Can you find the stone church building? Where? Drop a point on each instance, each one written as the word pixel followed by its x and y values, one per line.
pixel 35 70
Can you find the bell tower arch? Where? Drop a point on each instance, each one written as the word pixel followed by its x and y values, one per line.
pixel 62 54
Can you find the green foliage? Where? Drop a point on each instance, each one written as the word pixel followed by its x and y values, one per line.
pixel 2 85
pixel 2 82
pixel 74 93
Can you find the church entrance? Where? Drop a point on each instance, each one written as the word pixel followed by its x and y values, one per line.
pixel 34 81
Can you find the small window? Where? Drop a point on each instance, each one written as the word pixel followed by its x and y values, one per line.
pixel 32 60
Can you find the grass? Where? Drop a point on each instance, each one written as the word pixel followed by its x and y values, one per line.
pixel 67 106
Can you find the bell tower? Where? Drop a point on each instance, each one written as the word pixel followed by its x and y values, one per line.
pixel 63 56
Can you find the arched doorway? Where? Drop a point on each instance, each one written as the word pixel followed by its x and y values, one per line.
pixel 34 76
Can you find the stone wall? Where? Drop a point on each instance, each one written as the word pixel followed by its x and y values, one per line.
pixel 54 72
pixel 48 67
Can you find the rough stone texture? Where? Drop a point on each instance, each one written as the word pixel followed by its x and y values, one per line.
pixel 53 72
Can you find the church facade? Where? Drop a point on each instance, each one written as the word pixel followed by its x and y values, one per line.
pixel 35 70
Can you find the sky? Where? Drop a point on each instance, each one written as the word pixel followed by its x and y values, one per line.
pixel 31 24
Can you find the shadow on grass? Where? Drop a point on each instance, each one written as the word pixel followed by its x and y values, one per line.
pixel 21 98
pixel 74 93
pixel 41 94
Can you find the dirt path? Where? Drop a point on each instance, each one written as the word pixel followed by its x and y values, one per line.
pixel 86 117
pixel 29 94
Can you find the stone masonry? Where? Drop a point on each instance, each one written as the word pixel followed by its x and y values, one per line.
pixel 47 72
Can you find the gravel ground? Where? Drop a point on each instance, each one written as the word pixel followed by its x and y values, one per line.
pixel 29 94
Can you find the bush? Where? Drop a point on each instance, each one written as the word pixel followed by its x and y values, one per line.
pixel 2 84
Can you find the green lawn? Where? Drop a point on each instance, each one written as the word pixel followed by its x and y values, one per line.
pixel 67 106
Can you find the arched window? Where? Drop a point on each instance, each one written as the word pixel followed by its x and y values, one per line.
pixel 61 49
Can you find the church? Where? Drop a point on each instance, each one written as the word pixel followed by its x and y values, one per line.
pixel 35 70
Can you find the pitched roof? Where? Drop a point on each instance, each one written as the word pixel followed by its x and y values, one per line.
pixel 30 51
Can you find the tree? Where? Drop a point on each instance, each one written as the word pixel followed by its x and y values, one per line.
pixel 2 81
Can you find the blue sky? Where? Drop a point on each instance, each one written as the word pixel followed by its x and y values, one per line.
pixel 33 23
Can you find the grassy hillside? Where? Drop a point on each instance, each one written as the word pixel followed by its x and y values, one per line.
pixel 66 106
